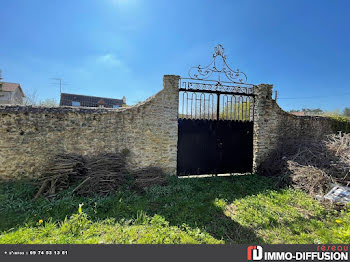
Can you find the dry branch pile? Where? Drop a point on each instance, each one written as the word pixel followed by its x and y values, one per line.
pixel 102 174
pixel 105 173
pixel 340 146
pixel 312 165
pixel 62 171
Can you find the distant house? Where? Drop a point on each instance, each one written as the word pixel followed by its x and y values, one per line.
pixel 298 113
pixel 11 93
pixel 90 101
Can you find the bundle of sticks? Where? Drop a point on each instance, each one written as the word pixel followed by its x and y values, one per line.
pixel 101 174
pixel 105 173
pixel 60 173
pixel 311 165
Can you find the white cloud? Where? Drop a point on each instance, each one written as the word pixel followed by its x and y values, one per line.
pixel 111 60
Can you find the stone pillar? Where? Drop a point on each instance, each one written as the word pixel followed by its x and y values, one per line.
pixel 170 113
pixel 265 125
pixel 171 85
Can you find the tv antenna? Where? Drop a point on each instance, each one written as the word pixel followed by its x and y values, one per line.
pixel 59 83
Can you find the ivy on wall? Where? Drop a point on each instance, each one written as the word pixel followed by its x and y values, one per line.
pixel 340 123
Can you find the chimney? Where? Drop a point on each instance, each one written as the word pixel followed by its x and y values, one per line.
pixel 124 100
pixel 101 103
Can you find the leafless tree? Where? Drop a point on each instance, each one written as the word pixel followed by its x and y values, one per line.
pixel 31 97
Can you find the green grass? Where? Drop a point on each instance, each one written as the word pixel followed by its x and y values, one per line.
pixel 242 209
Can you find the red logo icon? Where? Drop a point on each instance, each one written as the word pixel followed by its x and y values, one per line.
pixel 255 253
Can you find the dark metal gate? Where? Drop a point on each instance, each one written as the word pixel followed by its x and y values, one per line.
pixel 215 124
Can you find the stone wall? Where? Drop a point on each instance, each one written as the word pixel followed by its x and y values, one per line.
pixel 273 126
pixel 29 136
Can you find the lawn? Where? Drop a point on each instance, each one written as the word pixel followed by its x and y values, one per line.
pixel 238 209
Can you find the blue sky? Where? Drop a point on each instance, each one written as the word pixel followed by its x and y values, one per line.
pixel 118 48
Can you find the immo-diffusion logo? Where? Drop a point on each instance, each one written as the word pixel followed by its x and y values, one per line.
pixel 255 253
pixel 338 254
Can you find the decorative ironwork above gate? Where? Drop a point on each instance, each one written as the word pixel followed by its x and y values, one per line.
pixel 229 97
pixel 228 80
pixel 201 73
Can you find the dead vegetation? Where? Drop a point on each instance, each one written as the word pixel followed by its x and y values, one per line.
pixel 311 165
pixel 101 174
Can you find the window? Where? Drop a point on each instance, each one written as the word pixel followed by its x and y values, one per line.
pixel 75 103
pixel 115 106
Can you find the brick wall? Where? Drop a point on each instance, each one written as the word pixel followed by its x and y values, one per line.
pixel 29 136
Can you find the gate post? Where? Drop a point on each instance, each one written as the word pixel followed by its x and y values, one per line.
pixel 170 114
pixel 265 136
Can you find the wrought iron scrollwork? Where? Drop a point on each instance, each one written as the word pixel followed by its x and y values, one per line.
pixel 203 73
